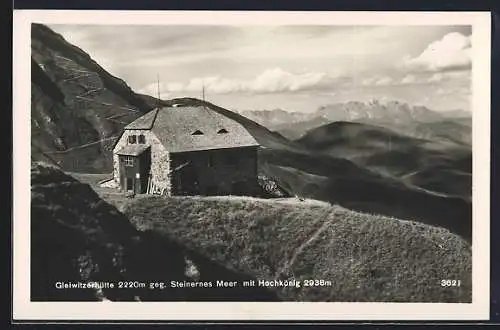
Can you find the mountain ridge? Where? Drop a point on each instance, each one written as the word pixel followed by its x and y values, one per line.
pixel 395 114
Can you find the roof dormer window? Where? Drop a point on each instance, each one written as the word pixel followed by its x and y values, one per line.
pixel 197 132
pixel 222 131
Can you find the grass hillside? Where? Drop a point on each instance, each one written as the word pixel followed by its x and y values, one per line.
pixel 330 137
pixel 373 146
pixel 386 197
pixel 365 257
pixel 296 130
pixel 458 130
pixel 76 236
pixel 437 165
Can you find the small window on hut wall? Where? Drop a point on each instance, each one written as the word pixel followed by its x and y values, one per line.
pixel 128 161
pixel 142 139
pixel 132 139
pixel 222 131
pixel 197 132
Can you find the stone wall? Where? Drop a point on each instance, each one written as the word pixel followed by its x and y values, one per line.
pixel 217 172
pixel 160 159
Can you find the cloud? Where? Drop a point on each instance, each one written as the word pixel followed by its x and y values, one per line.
pixel 451 75
pixel 409 79
pixel 377 81
pixel 368 81
pixel 442 91
pixel 452 52
pixel 275 80
pixel 384 81
pixel 436 77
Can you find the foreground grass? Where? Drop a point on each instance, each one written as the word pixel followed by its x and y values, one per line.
pixel 365 257
pixel 76 236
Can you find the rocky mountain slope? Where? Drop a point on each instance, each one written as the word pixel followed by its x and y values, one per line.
pixel 78 109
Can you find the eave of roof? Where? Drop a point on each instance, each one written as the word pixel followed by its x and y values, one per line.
pixel 145 122
pixel 133 149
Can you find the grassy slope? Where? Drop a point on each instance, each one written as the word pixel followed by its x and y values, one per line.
pixel 76 236
pixel 294 131
pixel 458 130
pixel 393 154
pixel 375 146
pixel 367 258
pixel 454 214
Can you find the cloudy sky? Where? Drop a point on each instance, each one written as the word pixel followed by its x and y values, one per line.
pixel 296 68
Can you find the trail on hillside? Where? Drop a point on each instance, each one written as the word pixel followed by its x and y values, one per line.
pixel 361 255
pixel 288 264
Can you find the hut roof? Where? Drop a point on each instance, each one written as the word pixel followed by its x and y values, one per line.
pixel 132 149
pixel 144 122
pixel 182 129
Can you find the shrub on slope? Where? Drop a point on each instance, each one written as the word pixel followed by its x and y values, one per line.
pixel 366 257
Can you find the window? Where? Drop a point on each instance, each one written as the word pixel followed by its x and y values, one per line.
pixel 132 139
pixel 222 131
pixel 128 161
pixel 142 139
pixel 197 132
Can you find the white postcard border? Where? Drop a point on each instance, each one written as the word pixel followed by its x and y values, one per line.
pixel 23 309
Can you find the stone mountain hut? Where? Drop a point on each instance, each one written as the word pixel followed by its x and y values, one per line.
pixel 185 151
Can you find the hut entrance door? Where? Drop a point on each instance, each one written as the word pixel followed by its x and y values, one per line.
pixel 189 180
pixel 130 184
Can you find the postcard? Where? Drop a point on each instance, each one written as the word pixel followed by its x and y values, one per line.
pixel 204 165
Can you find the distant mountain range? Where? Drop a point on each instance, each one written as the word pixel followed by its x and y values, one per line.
pixel 418 121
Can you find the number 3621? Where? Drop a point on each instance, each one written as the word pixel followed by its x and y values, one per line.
pixel 448 283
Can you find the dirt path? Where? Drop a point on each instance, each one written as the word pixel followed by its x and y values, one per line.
pixel 308 241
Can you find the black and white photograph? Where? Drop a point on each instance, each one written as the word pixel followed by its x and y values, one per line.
pixel 293 159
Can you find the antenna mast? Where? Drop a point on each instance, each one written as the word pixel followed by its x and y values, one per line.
pixel 158 88
pixel 203 98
